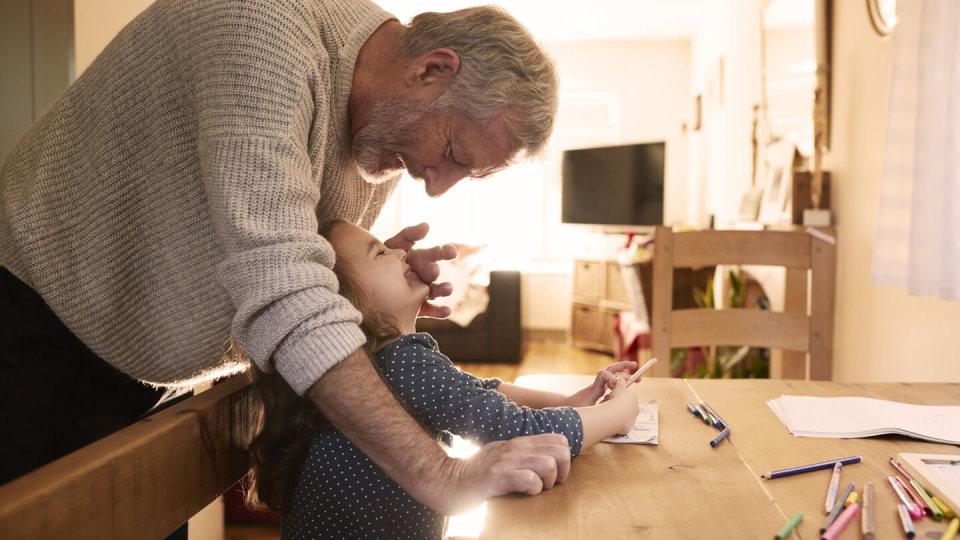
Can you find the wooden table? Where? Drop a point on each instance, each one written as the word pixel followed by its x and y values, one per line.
pixel 683 488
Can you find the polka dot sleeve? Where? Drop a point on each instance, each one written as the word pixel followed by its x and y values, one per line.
pixel 441 397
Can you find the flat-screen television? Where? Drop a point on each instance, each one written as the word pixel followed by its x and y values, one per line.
pixel 614 185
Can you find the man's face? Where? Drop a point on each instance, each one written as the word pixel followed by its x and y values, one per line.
pixel 439 147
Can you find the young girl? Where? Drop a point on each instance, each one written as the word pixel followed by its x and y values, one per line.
pixel 324 486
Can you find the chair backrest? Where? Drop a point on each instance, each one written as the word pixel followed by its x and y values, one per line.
pixel 143 481
pixel 801 328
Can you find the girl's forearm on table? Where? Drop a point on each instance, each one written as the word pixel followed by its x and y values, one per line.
pixel 528 397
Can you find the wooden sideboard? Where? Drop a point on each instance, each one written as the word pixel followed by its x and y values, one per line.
pixel 599 294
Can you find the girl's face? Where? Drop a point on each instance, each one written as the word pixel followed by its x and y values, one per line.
pixel 389 283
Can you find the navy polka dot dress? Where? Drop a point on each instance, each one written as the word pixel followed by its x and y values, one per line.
pixel 342 494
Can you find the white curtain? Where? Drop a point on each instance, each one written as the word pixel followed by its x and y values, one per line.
pixel 918 224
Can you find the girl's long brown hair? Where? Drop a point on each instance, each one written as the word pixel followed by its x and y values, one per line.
pixel 287 422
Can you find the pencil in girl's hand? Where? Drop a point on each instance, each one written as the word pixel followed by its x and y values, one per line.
pixel 636 376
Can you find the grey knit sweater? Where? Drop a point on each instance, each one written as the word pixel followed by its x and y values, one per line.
pixel 172 196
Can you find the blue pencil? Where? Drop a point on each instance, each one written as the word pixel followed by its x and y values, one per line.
pixel 812 467
pixel 720 437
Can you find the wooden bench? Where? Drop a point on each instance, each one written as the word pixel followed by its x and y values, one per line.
pixel 143 481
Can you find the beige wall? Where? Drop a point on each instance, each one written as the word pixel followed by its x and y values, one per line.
pixel 720 152
pixel 36 62
pixel 882 334
pixel 97 22
pixel 622 92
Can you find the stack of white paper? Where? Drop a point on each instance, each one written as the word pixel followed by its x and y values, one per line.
pixel 852 417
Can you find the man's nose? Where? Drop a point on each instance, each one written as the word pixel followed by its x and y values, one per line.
pixel 441 179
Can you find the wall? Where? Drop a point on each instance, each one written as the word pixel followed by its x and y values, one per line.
pixel 725 71
pixel 612 92
pixel 882 334
pixel 791 79
pixel 625 91
pixel 36 62
pixel 97 22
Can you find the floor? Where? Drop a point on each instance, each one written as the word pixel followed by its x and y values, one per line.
pixel 541 356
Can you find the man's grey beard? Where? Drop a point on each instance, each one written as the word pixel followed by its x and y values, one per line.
pixel 389 128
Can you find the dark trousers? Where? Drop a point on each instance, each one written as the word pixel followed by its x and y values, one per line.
pixel 56 395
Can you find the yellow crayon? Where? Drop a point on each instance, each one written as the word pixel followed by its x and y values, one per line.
pixel 951 531
pixel 947 511
pixel 851 498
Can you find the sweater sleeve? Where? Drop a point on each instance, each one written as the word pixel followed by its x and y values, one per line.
pixel 258 82
pixel 441 397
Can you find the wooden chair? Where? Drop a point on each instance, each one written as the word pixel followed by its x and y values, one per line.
pixel 799 330
pixel 143 481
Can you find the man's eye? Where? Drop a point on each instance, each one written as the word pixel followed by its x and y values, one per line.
pixel 381 251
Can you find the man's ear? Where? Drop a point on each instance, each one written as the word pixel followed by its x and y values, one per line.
pixel 436 66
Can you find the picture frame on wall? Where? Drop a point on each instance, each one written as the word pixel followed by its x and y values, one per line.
pixel 777 182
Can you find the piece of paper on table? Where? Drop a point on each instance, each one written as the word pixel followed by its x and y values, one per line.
pixel 853 417
pixel 645 428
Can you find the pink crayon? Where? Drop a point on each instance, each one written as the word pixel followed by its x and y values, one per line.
pixel 841 522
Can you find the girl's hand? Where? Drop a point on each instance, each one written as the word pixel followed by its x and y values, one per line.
pixel 625 405
pixel 606 379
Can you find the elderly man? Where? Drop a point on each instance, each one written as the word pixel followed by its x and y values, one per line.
pixel 172 197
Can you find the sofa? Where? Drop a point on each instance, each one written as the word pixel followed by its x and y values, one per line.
pixel 493 335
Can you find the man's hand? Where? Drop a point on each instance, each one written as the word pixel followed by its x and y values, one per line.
pixel 356 401
pixel 522 465
pixel 424 263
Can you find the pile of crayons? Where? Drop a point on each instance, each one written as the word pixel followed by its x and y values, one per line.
pixel 914 504
pixel 710 416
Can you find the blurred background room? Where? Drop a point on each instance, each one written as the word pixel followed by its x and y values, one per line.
pixel 733 114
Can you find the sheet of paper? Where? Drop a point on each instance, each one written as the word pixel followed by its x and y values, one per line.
pixel 645 428
pixel 851 417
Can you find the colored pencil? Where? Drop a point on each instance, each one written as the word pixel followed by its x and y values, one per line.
pixel 947 511
pixel 718 422
pixel 868 522
pixel 785 531
pixel 832 488
pixel 910 489
pixel 720 437
pixel 951 531
pixel 905 521
pixel 808 468
pixel 915 511
pixel 837 508
pixel 837 527
pixel 936 513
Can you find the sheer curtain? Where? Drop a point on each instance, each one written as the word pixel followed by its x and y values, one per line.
pixel 918 224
